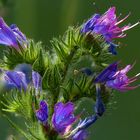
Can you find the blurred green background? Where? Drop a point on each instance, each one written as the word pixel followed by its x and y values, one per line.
pixel 44 19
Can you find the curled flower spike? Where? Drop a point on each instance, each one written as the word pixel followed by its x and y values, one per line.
pixel 63 117
pixel 11 36
pixel 16 79
pixel 107 25
pixel 42 112
pixel 117 79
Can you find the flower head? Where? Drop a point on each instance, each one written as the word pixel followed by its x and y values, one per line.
pixel 42 112
pixel 63 117
pixel 16 79
pixel 11 36
pixel 117 79
pixel 106 25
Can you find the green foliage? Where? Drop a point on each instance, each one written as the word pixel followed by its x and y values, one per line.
pixel 32 55
pixel 19 103
pixel 23 105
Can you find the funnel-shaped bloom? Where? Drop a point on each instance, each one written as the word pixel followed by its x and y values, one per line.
pixel 11 36
pixel 63 117
pixel 107 26
pixel 42 112
pixel 16 79
pixel 117 79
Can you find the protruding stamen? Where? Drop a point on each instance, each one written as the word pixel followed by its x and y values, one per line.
pixel 137 75
pixel 128 28
pixel 123 19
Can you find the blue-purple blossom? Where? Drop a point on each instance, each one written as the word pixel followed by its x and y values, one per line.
pixel 16 79
pixel 112 47
pixel 19 80
pixel 37 81
pixel 11 36
pixel 42 112
pixel 99 105
pixel 26 69
pixel 107 26
pixel 63 117
pixel 83 125
pixel 117 79
pixel 107 74
pixel 21 38
pixel 80 135
pixel 87 122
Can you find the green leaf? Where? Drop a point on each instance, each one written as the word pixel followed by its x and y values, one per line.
pixel 17 128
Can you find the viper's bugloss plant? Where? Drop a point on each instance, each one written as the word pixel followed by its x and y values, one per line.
pixel 76 67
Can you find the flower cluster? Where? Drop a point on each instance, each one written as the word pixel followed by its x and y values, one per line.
pixel 52 90
pixel 63 118
pixel 117 79
pixel 18 79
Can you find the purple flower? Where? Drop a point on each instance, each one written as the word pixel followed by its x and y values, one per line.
pixel 99 105
pixel 80 135
pixel 117 79
pixel 37 81
pixel 63 117
pixel 112 48
pixel 11 36
pixel 107 74
pixel 16 79
pixel 81 127
pixel 21 38
pixel 42 112
pixel 107 26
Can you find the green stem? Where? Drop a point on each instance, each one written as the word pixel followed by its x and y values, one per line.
pixel 69 60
